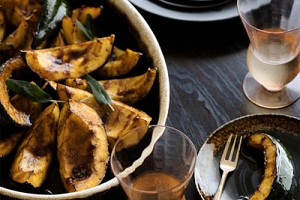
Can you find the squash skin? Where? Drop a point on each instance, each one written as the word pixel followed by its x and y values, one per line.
pixel 278 180
pixel 82 147
pixel 34 155
pixel 10 117
pixel 71 61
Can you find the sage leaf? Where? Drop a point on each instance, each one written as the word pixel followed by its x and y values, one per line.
pixel 53 11
pixel 88 29
pixel 90 25
pixel 99 92
pixel 28 90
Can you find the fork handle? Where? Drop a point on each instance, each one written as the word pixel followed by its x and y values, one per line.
pixel 221 186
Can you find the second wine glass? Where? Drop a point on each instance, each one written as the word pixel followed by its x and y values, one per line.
pixel 273 27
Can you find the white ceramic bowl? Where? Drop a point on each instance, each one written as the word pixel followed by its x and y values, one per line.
pixel 150 47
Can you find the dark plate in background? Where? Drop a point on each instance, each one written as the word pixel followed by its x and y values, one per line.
pixel 193 4
pixel 245 179
pixel 223 12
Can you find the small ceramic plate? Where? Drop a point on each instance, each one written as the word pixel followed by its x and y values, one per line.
pixel 194 4
pixel 244 180
pixel 225 11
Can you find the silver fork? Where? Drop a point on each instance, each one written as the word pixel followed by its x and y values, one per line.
pixel 228 163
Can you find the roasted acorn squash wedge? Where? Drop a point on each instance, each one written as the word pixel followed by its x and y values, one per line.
pixel 10 117
pixel 82 147
pixel 278 180
pixel 120 63
pixel 71 32
pixel 17 10
pixel 81 13
pixel 34 155
pixel 9 141
pixel 33 109
pixel 70 61
pixel 17 38
pixel 117 122
pixel 127 90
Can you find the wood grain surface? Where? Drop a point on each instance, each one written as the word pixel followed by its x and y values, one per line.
pixel 207 65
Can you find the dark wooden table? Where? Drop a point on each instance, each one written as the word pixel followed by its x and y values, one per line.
pixel 206 64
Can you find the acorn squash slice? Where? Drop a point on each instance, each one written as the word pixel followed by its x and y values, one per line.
pixel 10 117
pixel 33 109
pixel 9 141
pixel 120 62
pixel 117 122
pixel 34 155
pixel 127 90
pixel 82 12
pixel 82 147
pixel 278 180
pixel 71 61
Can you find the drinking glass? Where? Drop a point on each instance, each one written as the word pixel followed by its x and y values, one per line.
pixel 273 27
pixel 154 162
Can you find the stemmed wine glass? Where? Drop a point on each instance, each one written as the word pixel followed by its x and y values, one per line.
pixel 273 27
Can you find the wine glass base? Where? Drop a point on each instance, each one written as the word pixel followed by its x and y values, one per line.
pixel 258 95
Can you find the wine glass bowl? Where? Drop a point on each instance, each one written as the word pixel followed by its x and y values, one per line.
pixel 154 162
pixel 273 28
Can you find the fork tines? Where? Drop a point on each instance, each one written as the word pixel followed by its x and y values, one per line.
pixel 232 149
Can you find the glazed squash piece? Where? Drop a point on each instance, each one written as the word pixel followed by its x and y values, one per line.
pixel 15 11
pixel 10 116
pixel 9 142
pixel 34 155
pixel 71 33
pixel 17 38
pixel 120 63
pixel 71 61
pixel 82 12
pixel 31 108
pixel 127 90
pixel 82 147
pixel 278 180
pixel 117 122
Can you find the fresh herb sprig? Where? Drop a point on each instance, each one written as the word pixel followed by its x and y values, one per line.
pixel 29 90
pixel 88 29
pixel 99 92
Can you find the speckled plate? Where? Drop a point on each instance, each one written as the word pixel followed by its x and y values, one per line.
pixel 244 180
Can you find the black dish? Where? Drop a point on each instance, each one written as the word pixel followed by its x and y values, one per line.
pixel 244 180
pixel 192 4
pixel 217 13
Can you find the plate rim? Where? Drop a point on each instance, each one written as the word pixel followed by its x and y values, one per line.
pixel 228 123
pixel 228 10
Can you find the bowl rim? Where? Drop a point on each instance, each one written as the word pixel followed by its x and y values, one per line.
pixel 142 28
